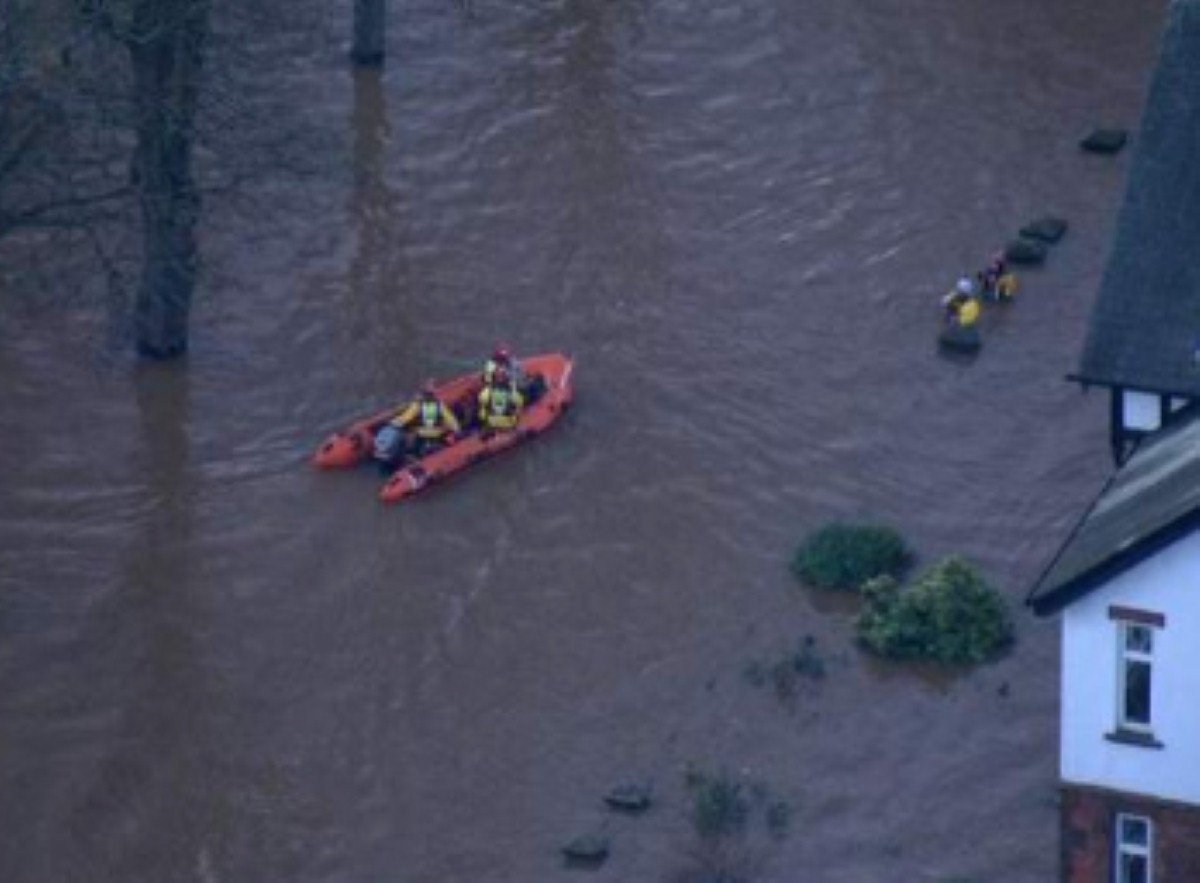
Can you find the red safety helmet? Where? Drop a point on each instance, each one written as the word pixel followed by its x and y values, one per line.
pixel 501 353
pixel 429 389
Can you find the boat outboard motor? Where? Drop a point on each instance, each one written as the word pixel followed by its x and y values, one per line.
pixel 388 442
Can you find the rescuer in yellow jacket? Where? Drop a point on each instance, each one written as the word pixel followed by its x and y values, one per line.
pixel 961 304
pixel 428 423
pixel 996 281
pixel 500 403
pixel 967 313
pixel 502 357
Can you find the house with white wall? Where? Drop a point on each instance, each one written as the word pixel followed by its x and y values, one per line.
pixel 1126 583
pixel 1143 340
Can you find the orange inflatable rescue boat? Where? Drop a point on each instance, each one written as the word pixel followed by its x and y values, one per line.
pixel 351 446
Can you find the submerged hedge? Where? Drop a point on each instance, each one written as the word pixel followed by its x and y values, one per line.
pixel 844 556
pixel 949 614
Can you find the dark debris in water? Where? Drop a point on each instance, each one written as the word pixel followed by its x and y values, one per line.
pixel 1047 229
pixel 1104 141
pixel 629 798
pixel 586 851
pixel 1026 251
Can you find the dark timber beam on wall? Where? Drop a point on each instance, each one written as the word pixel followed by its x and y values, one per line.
pixel 1117 435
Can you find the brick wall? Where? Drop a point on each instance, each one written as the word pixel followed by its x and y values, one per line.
pixel 1087 835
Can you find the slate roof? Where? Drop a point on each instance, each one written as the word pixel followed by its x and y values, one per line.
pixel 1145 326
pixel 1149 503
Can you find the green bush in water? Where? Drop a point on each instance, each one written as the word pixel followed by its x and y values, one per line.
pixel 949 614
pixel 844 556
pixel 721 806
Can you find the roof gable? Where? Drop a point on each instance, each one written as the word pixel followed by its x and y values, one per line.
pixel 1149 503
pixel 1145 326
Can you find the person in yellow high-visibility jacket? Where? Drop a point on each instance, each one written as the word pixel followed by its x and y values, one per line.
pixel 967 313
pixel 997 281
pixel 1006 286
pixel 500 403
pixel 422 427
pixel 961 304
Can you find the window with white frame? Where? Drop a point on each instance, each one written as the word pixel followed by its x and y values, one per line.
pixel 1134 676
pixel 1133 859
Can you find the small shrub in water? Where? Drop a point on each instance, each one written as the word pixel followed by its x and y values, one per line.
pixel 755 674
pixel 807 662
pixel 842 556
pixel 779 818
pixel 721 808
pixel 783 679
pixel 784 675
pixel 804 663
pixel 949 614
pixel 725 812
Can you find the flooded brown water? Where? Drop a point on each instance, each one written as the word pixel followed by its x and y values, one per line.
pixel 219 665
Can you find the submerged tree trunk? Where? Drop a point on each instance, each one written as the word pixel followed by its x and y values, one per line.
pixel 166 49
pixel 370 23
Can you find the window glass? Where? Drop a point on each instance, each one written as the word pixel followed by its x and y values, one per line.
pixel 1134 869
pixel 1134 831
pixel 1137 693
pixel 1133 859
pixel 1139 638
pixel 1135 676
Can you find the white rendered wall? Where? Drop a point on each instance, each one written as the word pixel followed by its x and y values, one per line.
pixel 1141 411
pixel 1167 583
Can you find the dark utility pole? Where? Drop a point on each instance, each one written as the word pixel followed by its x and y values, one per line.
pixel 370 23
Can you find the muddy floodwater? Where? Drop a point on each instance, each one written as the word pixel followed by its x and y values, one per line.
pixel 217 664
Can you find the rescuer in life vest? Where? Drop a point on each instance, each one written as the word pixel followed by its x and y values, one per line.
pixel 421 428
pixel 996 281
pixel 961 305
pixel 502 357
pixel 531 385
pixel 500 403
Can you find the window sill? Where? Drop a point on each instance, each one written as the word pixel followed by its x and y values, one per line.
pixel 1133 737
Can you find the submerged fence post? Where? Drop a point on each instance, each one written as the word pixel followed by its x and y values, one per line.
pixel 370 24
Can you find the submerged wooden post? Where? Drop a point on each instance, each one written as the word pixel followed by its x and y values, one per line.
pixel 370 24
